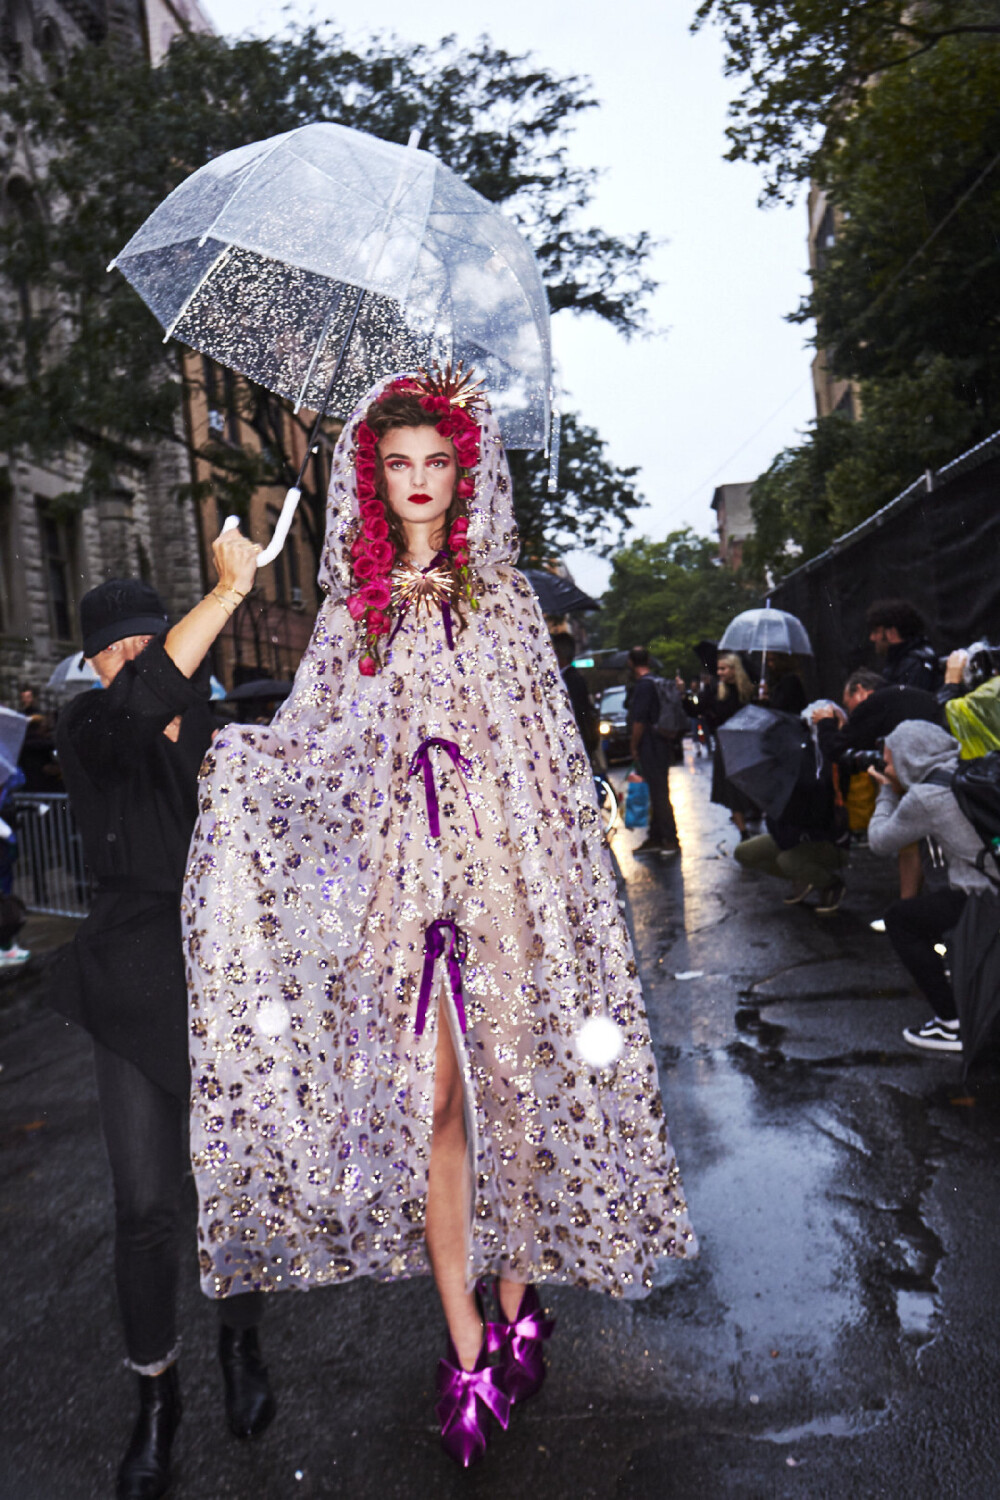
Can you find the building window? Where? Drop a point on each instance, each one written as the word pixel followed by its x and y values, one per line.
pixel 58 541
pixel 285 568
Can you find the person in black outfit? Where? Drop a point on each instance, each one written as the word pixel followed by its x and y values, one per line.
pixel 652 754
pixel 130 756
pixel 733 691
pixel 873 711
pixel 897 632
pixel 576 687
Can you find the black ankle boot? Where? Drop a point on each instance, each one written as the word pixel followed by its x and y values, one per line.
pixel 145 1469
pixel 250 1406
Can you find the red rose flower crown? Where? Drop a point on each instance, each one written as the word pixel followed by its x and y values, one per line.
pixel 455 395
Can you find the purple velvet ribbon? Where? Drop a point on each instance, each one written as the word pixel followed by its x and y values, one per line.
pixel 422 762
pixel 439 936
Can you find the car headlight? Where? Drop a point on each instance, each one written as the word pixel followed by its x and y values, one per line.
pixel 604 727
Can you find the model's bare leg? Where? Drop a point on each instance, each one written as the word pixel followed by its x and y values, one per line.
pixel 449 1203
pixel 740 820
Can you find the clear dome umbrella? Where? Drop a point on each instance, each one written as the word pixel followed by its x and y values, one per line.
pixel 317 261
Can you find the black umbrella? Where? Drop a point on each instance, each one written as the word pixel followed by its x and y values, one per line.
pixel 762 753
pixel 558 596
pixel 975 972
pixel 707 653
pixel 620 660
pixel 263 688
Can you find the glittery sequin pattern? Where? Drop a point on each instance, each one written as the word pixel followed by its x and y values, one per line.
pixel 311 881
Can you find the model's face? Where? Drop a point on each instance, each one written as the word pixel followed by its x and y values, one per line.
pixel 109 662
pixel 726 673
pixel 420 473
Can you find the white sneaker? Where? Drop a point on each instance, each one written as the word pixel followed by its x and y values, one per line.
pixel 14 955
pixel 935 1036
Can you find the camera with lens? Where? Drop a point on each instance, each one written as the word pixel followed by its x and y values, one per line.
pixel 857 762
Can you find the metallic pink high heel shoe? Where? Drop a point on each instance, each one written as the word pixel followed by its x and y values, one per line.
pixel 520 1346
pixel 466 1398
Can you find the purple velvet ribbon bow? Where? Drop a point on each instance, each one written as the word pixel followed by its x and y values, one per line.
pixel 436 940
pixel 422 762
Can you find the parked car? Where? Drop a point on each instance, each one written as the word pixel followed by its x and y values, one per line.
pixel 613 726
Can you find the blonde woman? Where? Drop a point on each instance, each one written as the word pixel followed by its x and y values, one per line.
pixel 732 692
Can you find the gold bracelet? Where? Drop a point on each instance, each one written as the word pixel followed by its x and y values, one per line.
pixel 227 609
pixel 227 594
pixel 228 588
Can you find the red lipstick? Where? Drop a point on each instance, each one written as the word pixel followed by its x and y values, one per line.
pixel 419 499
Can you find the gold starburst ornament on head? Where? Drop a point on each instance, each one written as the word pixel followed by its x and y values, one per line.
pixel 412 589
pixel 459 387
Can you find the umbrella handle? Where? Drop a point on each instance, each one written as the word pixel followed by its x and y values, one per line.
pixel 281 528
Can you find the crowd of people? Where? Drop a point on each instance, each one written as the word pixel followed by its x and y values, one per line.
pixel 876 769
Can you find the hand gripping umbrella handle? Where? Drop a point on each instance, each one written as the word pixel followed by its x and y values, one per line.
pixel 281 529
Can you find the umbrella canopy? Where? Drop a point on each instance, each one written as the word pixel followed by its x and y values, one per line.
pixel 72 673
pixel 13 728
pixel 319 260
pixel 762 753
pixel 975 963
pixel 620 660
pixel 558 596
pixel 766 630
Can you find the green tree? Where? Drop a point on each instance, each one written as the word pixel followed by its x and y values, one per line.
pixel 846 470
pixel 913 274
pixel 808 65
pixel 83 358
pixel 592 503
pixel 669 595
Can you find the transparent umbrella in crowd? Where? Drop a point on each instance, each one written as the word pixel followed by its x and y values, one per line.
pixel 73 674
pixel 766 630
pixel 318 261
pixel 13 727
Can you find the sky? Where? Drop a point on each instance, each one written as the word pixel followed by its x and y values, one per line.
pixel 724 384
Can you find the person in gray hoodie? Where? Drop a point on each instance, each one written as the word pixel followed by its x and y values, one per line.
pixel 910 808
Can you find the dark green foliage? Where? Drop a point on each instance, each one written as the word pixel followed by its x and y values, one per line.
pixel 808 65
pixel 591 506
pixel 669 595
pixel 85 359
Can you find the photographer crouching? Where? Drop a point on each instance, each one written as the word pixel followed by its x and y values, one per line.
pixel 130 755
pixel 910 807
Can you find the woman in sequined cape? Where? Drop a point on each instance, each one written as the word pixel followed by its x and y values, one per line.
pixel 312 881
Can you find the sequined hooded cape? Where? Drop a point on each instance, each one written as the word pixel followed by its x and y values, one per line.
pixel 311 883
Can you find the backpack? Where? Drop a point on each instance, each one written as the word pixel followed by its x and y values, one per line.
pixel 976 785
pixel 671 720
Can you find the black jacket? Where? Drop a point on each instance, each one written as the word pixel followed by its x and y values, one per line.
pixel 134 795
pixel 913 663
pixel 875 717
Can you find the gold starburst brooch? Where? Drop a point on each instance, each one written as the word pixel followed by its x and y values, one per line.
pixel 412 589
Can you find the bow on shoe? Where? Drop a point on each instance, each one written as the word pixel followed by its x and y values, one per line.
pixel 460 1390
pixel 520 1345
pixel 422 762
pixel 439 935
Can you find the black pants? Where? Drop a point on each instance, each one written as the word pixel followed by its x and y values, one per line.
pixel 654 762
pixel 914 926
pixel 145 1132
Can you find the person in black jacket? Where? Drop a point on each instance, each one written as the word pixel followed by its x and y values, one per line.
pixel 875 709
pixel 130 756
pixel 651 753
pixel 897 632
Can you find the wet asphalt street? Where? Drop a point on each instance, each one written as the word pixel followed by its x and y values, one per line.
pixel 837 1338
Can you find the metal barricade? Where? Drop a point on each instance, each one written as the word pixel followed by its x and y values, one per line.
pixel 50 875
